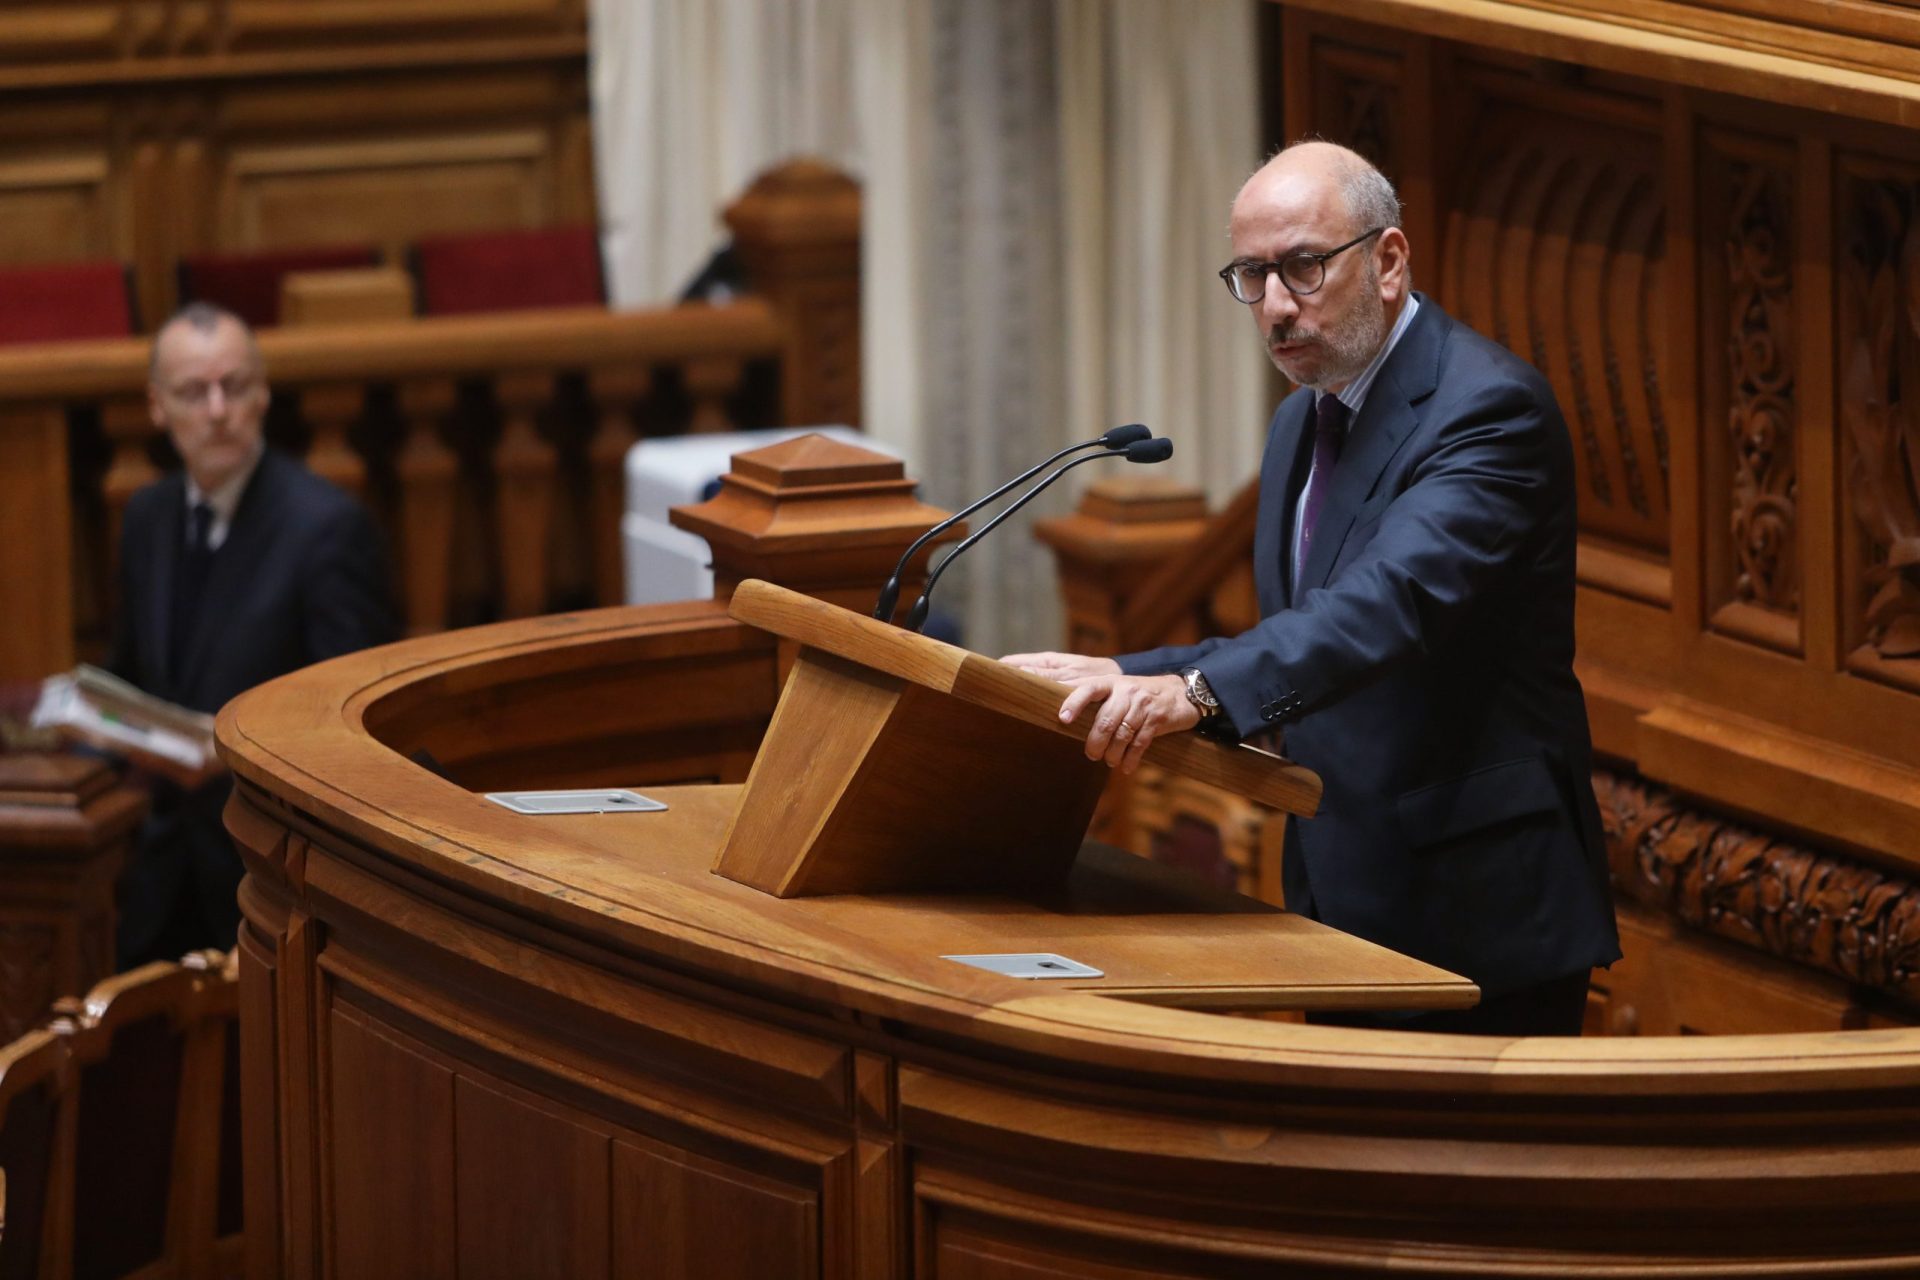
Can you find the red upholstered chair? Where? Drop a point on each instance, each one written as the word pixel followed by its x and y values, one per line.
pixel 63 302
pixel 509 271
pixel 248 284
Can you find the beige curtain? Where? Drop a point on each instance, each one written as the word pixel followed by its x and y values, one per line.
pixel 1159 119
pixel 1046 188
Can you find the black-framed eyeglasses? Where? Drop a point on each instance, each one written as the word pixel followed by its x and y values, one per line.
pixel 1302 273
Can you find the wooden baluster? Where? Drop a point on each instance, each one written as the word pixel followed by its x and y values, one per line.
pixel 617 396
pixel 711 383
pixel 36 550
pixel 1124 528
pixel 429 473
pixel 128 424
pixel 524 467
pixel 330 409
pixel 798 232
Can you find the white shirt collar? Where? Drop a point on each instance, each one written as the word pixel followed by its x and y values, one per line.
pixel 225 501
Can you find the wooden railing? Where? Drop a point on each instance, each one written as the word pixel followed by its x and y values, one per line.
pixel 489 447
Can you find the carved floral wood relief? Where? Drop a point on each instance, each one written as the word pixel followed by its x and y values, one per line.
pixel 1879 329
pixel 1814 908
pixel 1761 416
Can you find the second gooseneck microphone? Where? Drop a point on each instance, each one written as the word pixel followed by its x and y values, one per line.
pixel 1144 451
pixel 1114 441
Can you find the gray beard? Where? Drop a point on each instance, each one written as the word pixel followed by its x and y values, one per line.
pixel 1349 347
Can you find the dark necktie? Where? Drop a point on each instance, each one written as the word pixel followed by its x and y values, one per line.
pixel 1329 433
pixel 189 583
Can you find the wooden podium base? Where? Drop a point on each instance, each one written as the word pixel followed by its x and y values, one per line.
pixel 869 783
pixel 895 762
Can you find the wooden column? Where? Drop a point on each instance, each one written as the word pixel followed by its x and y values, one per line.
pixel 1123 529
pixel 797 230
pixel 65 829
pixel 128 423
pixel 619 392
pixel 711 384
pixel 330 409
pixel 36 549
pixel 429 471
pixel 524 464
pixel 824 518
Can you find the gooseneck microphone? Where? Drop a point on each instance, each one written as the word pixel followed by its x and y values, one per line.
pixel 1143 451
pixel 1114 440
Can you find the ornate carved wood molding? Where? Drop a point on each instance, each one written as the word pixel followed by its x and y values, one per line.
pixel 1813 908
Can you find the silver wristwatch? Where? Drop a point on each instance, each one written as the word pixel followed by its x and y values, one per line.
pixel 1200 693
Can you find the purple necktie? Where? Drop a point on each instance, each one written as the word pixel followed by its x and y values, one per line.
pixel 1329 433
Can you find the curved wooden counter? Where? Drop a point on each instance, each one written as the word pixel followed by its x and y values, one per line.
pixel 484 1045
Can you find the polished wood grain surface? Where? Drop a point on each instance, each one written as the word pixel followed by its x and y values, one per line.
pixel 434 987
pixel 1018 695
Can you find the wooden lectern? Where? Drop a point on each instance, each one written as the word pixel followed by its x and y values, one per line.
pixel 895 762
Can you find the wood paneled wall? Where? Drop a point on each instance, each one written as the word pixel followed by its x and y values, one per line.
pixel 144 131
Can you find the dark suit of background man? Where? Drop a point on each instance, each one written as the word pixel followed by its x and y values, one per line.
pixel 1414 555
pixel 239 568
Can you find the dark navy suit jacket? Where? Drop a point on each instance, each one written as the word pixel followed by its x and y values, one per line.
pixel 301 576
pixel 1423 665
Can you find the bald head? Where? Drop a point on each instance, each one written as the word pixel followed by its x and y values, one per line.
pixel 1369 198
pixel 1335 220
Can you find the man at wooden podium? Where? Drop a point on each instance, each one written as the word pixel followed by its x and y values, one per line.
pixel 1414 556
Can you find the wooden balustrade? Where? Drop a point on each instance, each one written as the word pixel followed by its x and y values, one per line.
pixel 490 447
pixel 380 411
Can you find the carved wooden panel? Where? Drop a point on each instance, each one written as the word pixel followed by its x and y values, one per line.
pixel 1878 332
pixel 1356 95
pixel 1554 249
pixel 509 1142
pixel 386 190
pixel 54 208
pixel 1820 910
pixel 679 1214
pixel 146 131
pixel 390 1155
pixel 27 978
pixel 1750 509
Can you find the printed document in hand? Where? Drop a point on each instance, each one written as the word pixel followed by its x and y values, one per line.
pixel 104 711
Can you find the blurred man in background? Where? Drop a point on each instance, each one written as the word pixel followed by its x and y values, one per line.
pixel 240 567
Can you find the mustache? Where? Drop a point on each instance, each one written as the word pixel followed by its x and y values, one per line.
pixel 1292 334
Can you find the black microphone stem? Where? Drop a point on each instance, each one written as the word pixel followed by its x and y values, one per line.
pixel 1114 440
pixel 1147 451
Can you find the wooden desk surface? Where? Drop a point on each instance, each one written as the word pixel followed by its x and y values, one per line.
pixel 1158 934
pixel 561 1046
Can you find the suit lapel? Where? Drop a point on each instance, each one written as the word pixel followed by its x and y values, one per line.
pixel 154 613
pixel 1390 413
pixel 1281 476
pixel 249 539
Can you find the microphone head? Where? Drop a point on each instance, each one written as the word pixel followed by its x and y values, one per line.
pixel 1121 437
pixel 1157 450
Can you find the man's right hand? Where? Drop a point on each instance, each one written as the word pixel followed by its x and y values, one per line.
pixel 1067 668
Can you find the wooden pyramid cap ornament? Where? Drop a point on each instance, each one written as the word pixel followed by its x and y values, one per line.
pixel 817 514
pixel 896 762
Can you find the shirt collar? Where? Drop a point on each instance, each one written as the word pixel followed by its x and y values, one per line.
pixel 1354 394
pixel 224 501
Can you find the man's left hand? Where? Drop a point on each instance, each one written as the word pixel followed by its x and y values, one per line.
pixel 1134 710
